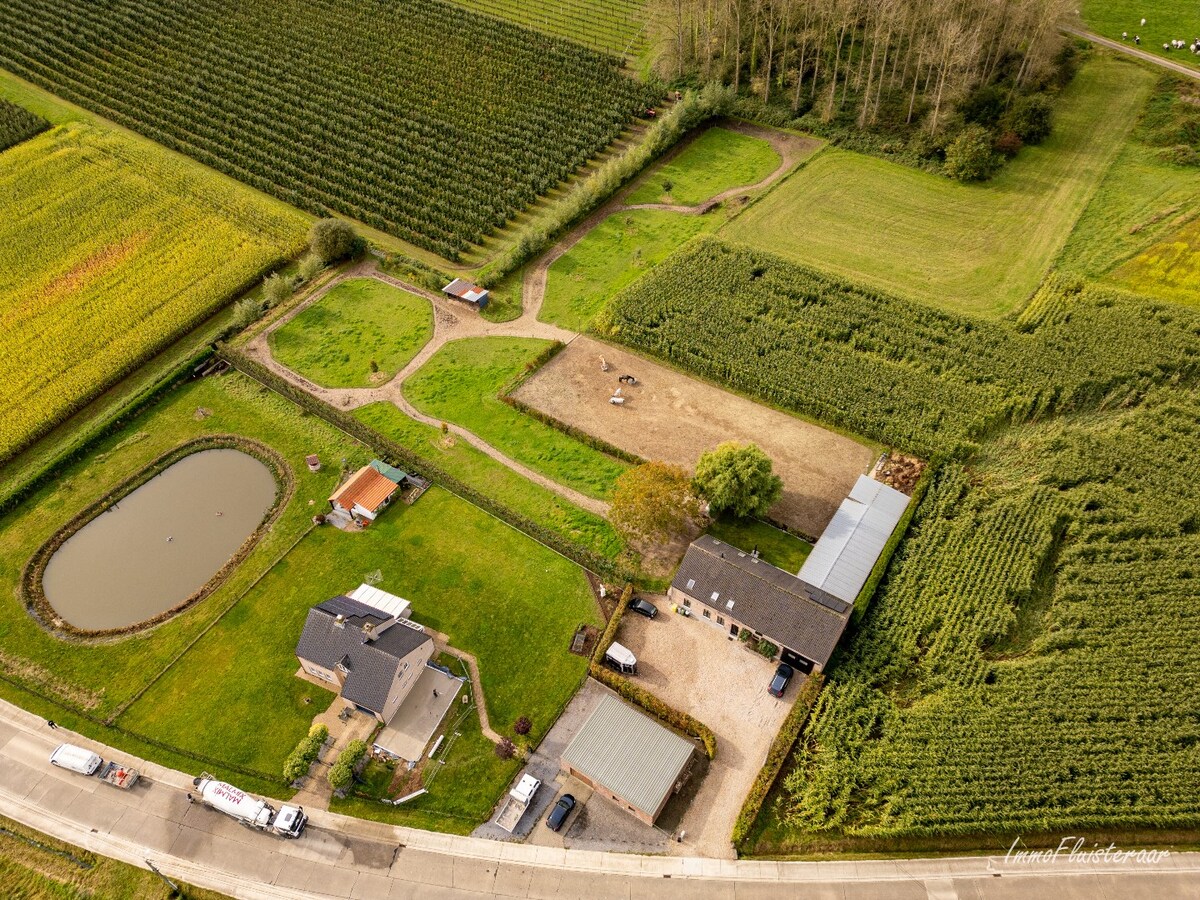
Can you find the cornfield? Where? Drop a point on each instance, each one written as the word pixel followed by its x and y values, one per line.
pixel 419 118
pixel 108 251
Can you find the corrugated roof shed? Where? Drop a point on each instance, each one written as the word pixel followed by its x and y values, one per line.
pixel 464 290
pixel 366 488
pixel 629 753
pixel 852 543
pixel 389 472
pixel 765 598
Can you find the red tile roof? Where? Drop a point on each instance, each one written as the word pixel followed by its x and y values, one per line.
pixel 367 488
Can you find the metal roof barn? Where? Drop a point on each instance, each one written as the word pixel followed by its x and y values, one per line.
pixel 630 755
pixel 852 543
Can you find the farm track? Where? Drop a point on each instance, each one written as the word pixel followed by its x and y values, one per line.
pixel 1128 50
pixel 454 322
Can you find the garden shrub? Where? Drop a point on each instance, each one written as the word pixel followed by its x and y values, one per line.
pixel 341 773
pixel 970 156
pixel 1030 117
pixel 298 763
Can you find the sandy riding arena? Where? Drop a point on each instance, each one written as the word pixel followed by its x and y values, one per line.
pixel 672 417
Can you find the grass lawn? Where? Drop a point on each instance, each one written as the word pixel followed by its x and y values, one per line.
pixel 361 323
pixel 980 249
pixel 98 678
pixel 613 255
pixel 483 473
pixel 499 595
pixel 1166 21
pixel 717 160
pixel 460 384
pixel 36 866
pixel 777 547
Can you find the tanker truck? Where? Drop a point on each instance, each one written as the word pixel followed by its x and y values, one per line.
pixel 252 812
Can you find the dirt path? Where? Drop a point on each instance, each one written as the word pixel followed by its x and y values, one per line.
pixel 453 321
pixel 443 643
pixel 791 149
pixel 1132 50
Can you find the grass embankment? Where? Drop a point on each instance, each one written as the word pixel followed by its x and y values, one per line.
pixel 359 334
pixel 35 866
pixel 1166 21
pixel 775 546
pixel 461 383
pixel 100 269
pixel 717 160
pixel 483 473
pixel 980 249
pixel 613 255
pixel 1141 232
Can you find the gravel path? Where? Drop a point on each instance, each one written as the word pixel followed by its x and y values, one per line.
pixel 1132 50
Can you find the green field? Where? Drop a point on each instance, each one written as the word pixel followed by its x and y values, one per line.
pixel 610 26
pixel 614 254
pixel 461 383
pixel 442 554
pixel 484 474
pixel 980 249
pixel 777 547
pixel 359 334
pixel 1139 232
pixel 18 124
pixel 715 161
pixel 1166 20
pixel 100 266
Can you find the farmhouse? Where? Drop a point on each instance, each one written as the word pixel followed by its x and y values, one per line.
pixel 628 758
pixel 803 614
pixel 368 651
pixel 367 492
pixel 464 290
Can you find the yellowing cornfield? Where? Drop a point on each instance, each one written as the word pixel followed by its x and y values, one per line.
pixel 109 250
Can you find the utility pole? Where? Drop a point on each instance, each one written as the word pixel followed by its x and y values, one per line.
pixel 176 890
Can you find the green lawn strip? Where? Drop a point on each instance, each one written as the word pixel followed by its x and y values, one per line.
pixel 461 383
pixel 496 593
pixel 1166 21
pixel 612 256
pixel 719 159
pixel 360 322
pixel 483 473
pixel 775 546
pixel 970 248
pixel 117 670
pixel 463 783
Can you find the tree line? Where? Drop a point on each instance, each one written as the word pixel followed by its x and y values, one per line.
pixel 882 62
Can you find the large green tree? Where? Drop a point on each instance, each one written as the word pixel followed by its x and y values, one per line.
pixel 653 502
pixel 737 478
pixel 332 239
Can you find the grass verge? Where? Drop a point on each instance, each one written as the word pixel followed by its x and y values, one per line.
pixel 717 160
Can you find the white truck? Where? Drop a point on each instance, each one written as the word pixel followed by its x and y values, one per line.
pixel 517 802
pixel 252 812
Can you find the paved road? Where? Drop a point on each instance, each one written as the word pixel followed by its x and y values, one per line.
pixel 1130 49
pixel 345 857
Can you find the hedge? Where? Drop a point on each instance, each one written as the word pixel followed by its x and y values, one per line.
pixel 341 773
pixel 301 759
pixel 781 748
pixel 392 452
pixel 610 630
pixel 652 704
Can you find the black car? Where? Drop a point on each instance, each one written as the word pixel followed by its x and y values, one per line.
pixel 780 682
pixel 561 810
pixel 643 608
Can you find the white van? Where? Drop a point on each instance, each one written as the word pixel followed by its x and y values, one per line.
pixel 68 756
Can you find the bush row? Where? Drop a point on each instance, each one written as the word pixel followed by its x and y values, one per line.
pixel 670 715
pixel 404 458
pixel 301 759
pixel 614 622
pixel 781 748
pixel 342 772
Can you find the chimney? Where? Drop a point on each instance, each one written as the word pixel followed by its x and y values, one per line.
pixel 339 622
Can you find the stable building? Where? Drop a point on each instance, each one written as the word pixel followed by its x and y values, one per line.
pixel 629 758
pixel 733 590
pixel 366 493
pixel 371 656
pixel 803 614
pixel 467 292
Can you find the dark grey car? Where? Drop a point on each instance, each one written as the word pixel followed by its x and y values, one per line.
pixel 643 607
pixel 780 682
pixel 561 810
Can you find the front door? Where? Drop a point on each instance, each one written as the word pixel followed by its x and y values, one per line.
pixel 733 629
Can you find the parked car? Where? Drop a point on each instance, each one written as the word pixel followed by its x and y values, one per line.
pixel 643 607
pixel 75 759
pixel 561 810
pixel 780 682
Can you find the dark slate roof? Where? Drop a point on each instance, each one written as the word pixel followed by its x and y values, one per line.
pixel 371 664
pixel 767 599
pixel 355 611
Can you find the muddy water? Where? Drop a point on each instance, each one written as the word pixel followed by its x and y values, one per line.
pixel 161 543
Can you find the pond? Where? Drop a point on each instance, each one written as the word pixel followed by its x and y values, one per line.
pixel 161 543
